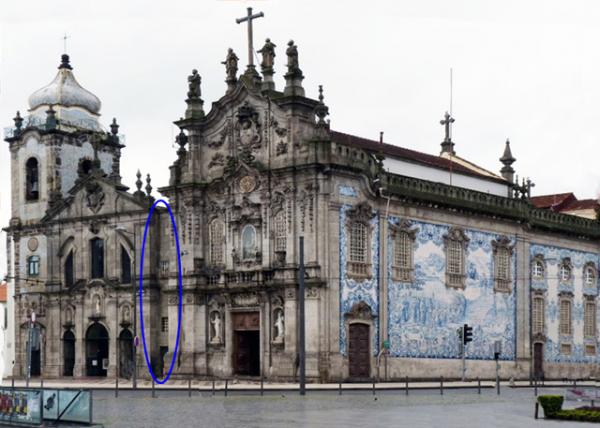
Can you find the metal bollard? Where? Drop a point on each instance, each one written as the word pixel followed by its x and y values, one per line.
pixel 498 386
pixel 41 383
pixel 189 387
pixel 226 384
pixel 12 383
pixel 262 386
pixel 153 392
pixel 340 388
pixel 535 387
pixel 373 386
pixel 441 385
pixel 537 407
pixel 116 386
pixel 406 385
pixel 478 385
pixel 213 386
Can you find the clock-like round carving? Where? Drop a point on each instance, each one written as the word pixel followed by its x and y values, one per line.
pixel 247 184
pixel 32 244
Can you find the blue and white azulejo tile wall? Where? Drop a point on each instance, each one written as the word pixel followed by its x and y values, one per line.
pixel 424 315
pixel 353 291
pixel 550 285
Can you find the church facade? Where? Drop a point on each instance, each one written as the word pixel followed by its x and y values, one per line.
pixel 401 248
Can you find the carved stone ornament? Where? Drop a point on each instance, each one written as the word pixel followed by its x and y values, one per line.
pixel 95 196
pixel 362 213
pixel 222 137
pixel 247 184
pixel 248 127
pixel 281 148
pixel 245 299
pixel 218 159
pixel 32 244
pixel 360 311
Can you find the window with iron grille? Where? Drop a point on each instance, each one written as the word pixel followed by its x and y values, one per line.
pixel 565 348
pixel 455 264
pixel 164 325
pixel 216 242
pixel 565 317
pixel 280 229
pixel 538 315
pixel 358 243
pixel 164 267
pixel 589 319
pixel 403 256
pixel 502 266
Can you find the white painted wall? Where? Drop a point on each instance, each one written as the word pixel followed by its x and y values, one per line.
pixel 409 169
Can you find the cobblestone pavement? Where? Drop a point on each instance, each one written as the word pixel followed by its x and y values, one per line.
pixel 456 408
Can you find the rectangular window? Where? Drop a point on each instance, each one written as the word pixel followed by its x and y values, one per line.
pixel 69 278
pixel 538 315
pixel 33 265
pixel 455 258
pixel 164 325
pixel 216 242
pixel 565 348
pixel 125 266
pixel 164 267
pixel 358 243
pixel 97 257
pixel 403 264
pixel 565 317
pixel 589 319
pixel 280 231
pixel 590 350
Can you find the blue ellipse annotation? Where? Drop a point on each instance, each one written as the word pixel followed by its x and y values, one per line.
pixel 179 276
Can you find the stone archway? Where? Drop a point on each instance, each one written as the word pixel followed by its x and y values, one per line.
pixel 96 350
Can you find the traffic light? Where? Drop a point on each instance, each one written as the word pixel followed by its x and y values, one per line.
pixel 467 334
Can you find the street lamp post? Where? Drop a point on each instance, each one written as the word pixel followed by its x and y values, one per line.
pixel 133 297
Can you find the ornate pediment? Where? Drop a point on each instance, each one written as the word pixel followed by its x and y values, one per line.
pixel 94 196
pixel 362 213
pixel 404 226
pixel 360 311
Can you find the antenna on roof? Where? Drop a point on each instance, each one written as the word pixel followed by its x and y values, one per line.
pixel 65 37
pixel 450 91
pixel 380 137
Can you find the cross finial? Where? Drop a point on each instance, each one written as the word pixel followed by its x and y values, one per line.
pixel 447 144
pixel 65 37
pixel 249 19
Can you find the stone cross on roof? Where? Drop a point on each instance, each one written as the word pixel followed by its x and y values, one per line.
pixel 249 18
pixel 447 144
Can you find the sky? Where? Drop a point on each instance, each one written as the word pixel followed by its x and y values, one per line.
pixel 528 71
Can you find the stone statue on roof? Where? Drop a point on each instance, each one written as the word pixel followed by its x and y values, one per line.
pixel 268 55
pixel 194 81
pixel 292 55
pixel 231 65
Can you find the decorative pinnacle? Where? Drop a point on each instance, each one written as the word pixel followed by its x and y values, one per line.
pixel 148 186
pixel 18 121
pixel 181 139
pixel 507 158
pixel 114 127
pixel 321 110
pixel 65 62
pixel 138 182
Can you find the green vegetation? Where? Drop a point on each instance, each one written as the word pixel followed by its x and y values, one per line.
pixel 552 405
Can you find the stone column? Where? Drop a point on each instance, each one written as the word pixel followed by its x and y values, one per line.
pixel 523 351
pixel 313 331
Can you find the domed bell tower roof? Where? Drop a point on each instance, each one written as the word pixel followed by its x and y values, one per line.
pixel 73 104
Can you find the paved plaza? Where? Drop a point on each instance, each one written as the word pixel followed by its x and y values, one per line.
pixel 422 408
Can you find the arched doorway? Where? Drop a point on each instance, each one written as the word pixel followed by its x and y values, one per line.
pixel 358 351
pixel 96 350
pixel 33 340
pixel 68 353
pixel 125 354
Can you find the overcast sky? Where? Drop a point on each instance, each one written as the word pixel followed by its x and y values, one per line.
pixel 529 71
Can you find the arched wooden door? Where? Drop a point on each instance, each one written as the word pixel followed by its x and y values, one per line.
pixel 96 350
pixel 68 353
pixel 358 351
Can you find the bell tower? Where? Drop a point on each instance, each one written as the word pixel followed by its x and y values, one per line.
pixel 56 144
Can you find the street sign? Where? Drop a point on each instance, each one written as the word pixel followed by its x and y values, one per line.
pixel 386 344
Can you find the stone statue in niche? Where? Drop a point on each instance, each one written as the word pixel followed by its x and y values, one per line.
pixel 96 304
pixel 279 326
pixel 126 313
pixel 215 328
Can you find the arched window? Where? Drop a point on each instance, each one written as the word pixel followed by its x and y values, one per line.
pixel 565 316
pixel 537 269
pixel 32 180
pixel 249 242
pixel 216 241
pixel 125 266
pixel 565 272
pixel 537 309
pixel 589 318
pixel 97 258
pixel 69 277
pixel 33 265
pixel 280 229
